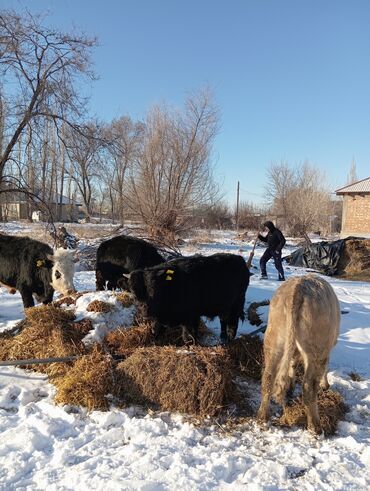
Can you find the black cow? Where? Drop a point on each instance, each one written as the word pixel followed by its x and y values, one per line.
pixel 121 255
pixel 33 268
pixel 181 290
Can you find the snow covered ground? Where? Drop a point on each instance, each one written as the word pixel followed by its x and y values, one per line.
pixel 44 446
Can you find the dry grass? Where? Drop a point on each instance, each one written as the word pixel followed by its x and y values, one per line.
pixel 68 299
pixel 127 299
pixel 124 341
pixel 247 354
pixel 196 381
pixel 88 382
pixel 46 332
pixel 331 410
pixel 99 306
pixel 355 260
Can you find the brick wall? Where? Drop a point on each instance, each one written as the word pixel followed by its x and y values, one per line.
pixel 356 215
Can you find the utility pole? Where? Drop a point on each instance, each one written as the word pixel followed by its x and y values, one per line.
pixel 237 206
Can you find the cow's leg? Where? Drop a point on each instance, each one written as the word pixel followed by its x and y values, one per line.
pixel 273 358
pixel 158 329
pixel 266 390
pixel 324 383
pixel 223 335
pixel 100 281
pixel 27 297
pixel 292 375
pixel 232 326
pixel 311 381
pixel 190 331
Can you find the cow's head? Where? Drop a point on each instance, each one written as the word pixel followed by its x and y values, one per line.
pixel 136 283
pixel 62 271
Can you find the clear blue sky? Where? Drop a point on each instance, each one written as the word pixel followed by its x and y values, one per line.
pixel 291 77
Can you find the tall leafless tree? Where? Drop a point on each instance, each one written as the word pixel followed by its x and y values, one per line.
pixel 299 197
pixel 173 174
pixel 42 66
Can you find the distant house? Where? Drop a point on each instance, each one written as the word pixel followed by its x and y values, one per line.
pixel 356 209
pixel 62 209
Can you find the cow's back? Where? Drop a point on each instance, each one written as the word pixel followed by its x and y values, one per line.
pixel 193 286
pixel 307 308
pixel 128 253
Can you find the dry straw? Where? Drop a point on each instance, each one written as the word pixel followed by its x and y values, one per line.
pixel 88 382
pixel 331 410
pixel 127 299
pixel 46 332
pixel 99 306
pixel 197 381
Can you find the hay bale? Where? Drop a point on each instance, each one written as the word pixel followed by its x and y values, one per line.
pixel 123 341
pixel 196 381
pixel 247 354
pixel 88 382
pixel 127 299
pixel 47 331
pixel 331 410
pixel 355 257
pixel 99 306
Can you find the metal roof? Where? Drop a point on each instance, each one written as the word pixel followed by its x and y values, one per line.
pixel 362 186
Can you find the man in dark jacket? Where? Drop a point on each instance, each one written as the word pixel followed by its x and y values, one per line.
pixel 275 242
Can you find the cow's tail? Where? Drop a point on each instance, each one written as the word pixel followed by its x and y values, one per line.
pixel 282 379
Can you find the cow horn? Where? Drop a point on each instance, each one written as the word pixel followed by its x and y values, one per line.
pixel 126 275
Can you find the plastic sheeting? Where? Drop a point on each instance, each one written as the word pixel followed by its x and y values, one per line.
pixel 320 256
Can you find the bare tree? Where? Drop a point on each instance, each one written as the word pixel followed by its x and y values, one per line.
pixel 299 197
pixel 173 174
pixel 281 180
pixel 84 154
pixel 123 141
pixel 41 65
pixel 352 175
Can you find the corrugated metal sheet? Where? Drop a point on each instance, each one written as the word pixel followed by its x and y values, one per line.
pixel 362 186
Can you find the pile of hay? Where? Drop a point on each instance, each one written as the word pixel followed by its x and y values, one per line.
pixel 88 382
pixel 124 341
pixel 68 299
pixel 197 381
pixel 331 410
pixel 127 299
pixel 99 306
pixel 46 332
pixel 247 355
pixel 355 258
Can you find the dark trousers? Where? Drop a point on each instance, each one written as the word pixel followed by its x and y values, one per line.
pixel 267 255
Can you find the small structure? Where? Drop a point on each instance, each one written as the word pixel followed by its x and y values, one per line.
pixel 356 209
pixel 61 208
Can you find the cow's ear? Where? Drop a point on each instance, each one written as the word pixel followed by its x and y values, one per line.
pixel 137 285
pixel 43 263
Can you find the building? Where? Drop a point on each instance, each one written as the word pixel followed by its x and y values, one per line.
pixel 356 209
pixel 62 209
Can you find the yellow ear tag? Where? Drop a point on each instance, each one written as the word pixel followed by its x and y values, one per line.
pixel 168 278
pixel 170 271
pixel 40 262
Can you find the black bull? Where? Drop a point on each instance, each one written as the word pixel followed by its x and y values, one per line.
pixel 121 255
pixel 180 291
pixel 24 265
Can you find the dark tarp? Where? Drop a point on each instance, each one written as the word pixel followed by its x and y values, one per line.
pixel 321 256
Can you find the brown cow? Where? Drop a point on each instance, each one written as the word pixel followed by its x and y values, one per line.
pixel 303 324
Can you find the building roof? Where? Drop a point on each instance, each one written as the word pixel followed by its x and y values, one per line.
pixel 55 199
pixel 362 186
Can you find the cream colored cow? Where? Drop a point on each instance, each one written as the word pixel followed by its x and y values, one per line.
pixel 303 324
